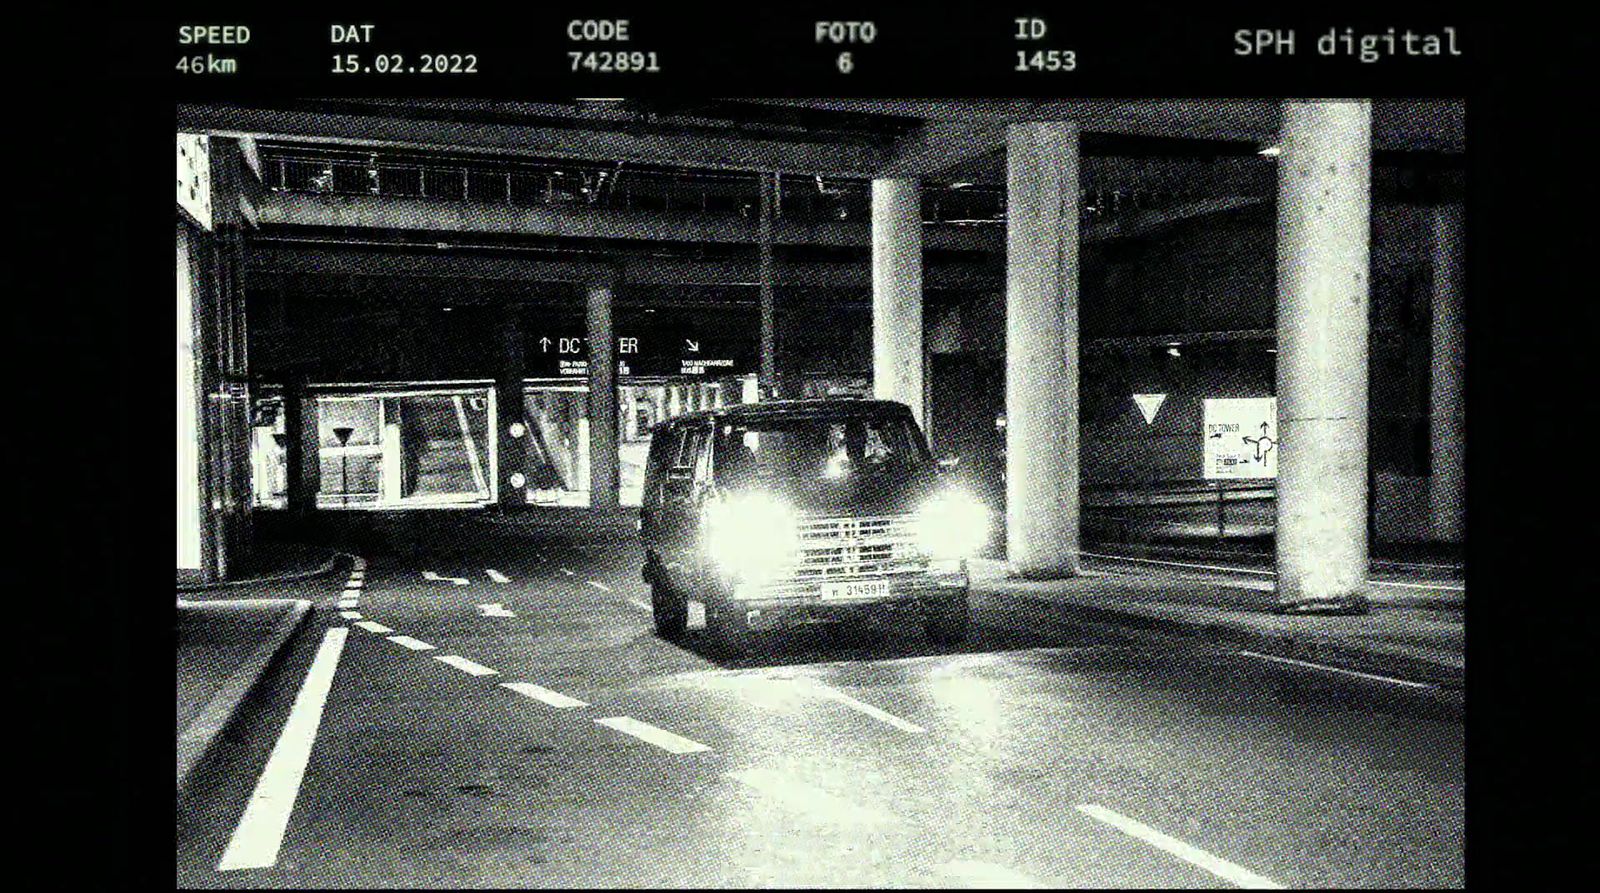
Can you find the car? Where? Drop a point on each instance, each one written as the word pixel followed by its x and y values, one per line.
pixel 791 512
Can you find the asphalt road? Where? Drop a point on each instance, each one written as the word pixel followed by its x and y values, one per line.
pixel 1040 752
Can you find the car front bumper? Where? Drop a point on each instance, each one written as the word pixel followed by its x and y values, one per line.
pixel 789 603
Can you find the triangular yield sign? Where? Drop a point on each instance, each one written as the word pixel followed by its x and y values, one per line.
pixel 1149 405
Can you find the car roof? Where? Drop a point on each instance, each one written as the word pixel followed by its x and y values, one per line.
pixel 783 409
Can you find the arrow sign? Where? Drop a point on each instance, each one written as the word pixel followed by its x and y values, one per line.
pixel 494 610
pixel 1149 405
pixel 693 346
pixel 544 345
pixel 430 575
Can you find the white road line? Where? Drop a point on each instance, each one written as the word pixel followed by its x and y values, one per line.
pixel 1448 587
pixel 436 578
pixel 833 694
pixel 641 605
pixel 987 875
pixel 648 733
pixel 598 585
pixel 807 800
pixel 361 564
pixel 568 572
pixel 347 603
pixel 259 834
pixel 497 576
pixel 540 693
pixel 1222 868
pixel 1202 567
pixel 351 593
pixel 371 627
pixel 1266 573
pixel 465 666
pixel 494 610
pixel 1305 663
pixel 350 615
pixel 413 644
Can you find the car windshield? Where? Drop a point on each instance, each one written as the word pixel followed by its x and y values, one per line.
pixel 827 449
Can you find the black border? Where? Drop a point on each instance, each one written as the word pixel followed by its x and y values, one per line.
pixel 87 338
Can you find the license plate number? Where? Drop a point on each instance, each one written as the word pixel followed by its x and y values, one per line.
pixel 855 589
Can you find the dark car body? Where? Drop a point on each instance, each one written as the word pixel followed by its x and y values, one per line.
pixel 856 533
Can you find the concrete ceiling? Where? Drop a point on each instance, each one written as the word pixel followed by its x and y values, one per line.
pixel 841 137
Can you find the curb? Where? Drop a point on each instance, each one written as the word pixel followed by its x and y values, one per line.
pixel 321 571
pixel 207 726
pixel 1286 645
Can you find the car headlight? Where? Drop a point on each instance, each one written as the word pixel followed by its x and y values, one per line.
pixel 953 525
pixel 751 536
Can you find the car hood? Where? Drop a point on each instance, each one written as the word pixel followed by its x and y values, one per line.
pixel 888 492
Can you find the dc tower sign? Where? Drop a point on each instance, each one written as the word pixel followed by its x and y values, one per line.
pixel 1240 439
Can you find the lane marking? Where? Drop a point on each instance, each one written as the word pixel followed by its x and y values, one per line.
pixel 1305 663
pixel 641 605
pixel 648 733
pixel 494 610
pixel 568 572
pixel 413 644
pixel 433 577
pixel 465 666
pixel 987 875
pixel 1222 868
pixel 540 693
pixel 361 563
pixel 346 603
pixel 371 627
pixel 497 576
pixel 350 615
pixel 806 799
pixel 1247 570
pixel 833 694
pixel 598 585
pixel 1444 586
pixel 259 834
pixel 351 593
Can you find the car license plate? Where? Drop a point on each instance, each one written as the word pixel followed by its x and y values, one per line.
pixel 855 590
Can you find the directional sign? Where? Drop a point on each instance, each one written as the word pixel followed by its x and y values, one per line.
pixel 1149 405
pixel 670 349
pixel 1240 439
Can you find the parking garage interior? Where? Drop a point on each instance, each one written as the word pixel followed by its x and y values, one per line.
pixel 394 307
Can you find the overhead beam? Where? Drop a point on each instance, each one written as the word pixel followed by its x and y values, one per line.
pixel 643 143
pixel 442 215
pixel 1414 124
pixel 939 146
pixel 636 269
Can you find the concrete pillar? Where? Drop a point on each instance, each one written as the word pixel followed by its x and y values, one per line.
pixel 603 461
pixel 897 292
pixel 1446 427
pixel 511 421
pixel 300 480
pixel 1324 193
pixel 767 186
pixel 1042 349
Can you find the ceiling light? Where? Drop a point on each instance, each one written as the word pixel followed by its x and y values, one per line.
pixel 1174 352
pixel 1270 151
pixel 961 185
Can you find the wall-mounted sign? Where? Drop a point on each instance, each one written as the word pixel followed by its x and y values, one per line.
pixel 194 177
pixel 1240 438
pixel 1149 405
pixel 654 353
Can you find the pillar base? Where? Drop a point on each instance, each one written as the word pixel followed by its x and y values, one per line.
pixel 1344 605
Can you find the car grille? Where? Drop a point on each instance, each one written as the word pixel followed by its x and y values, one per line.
pixel 836 548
